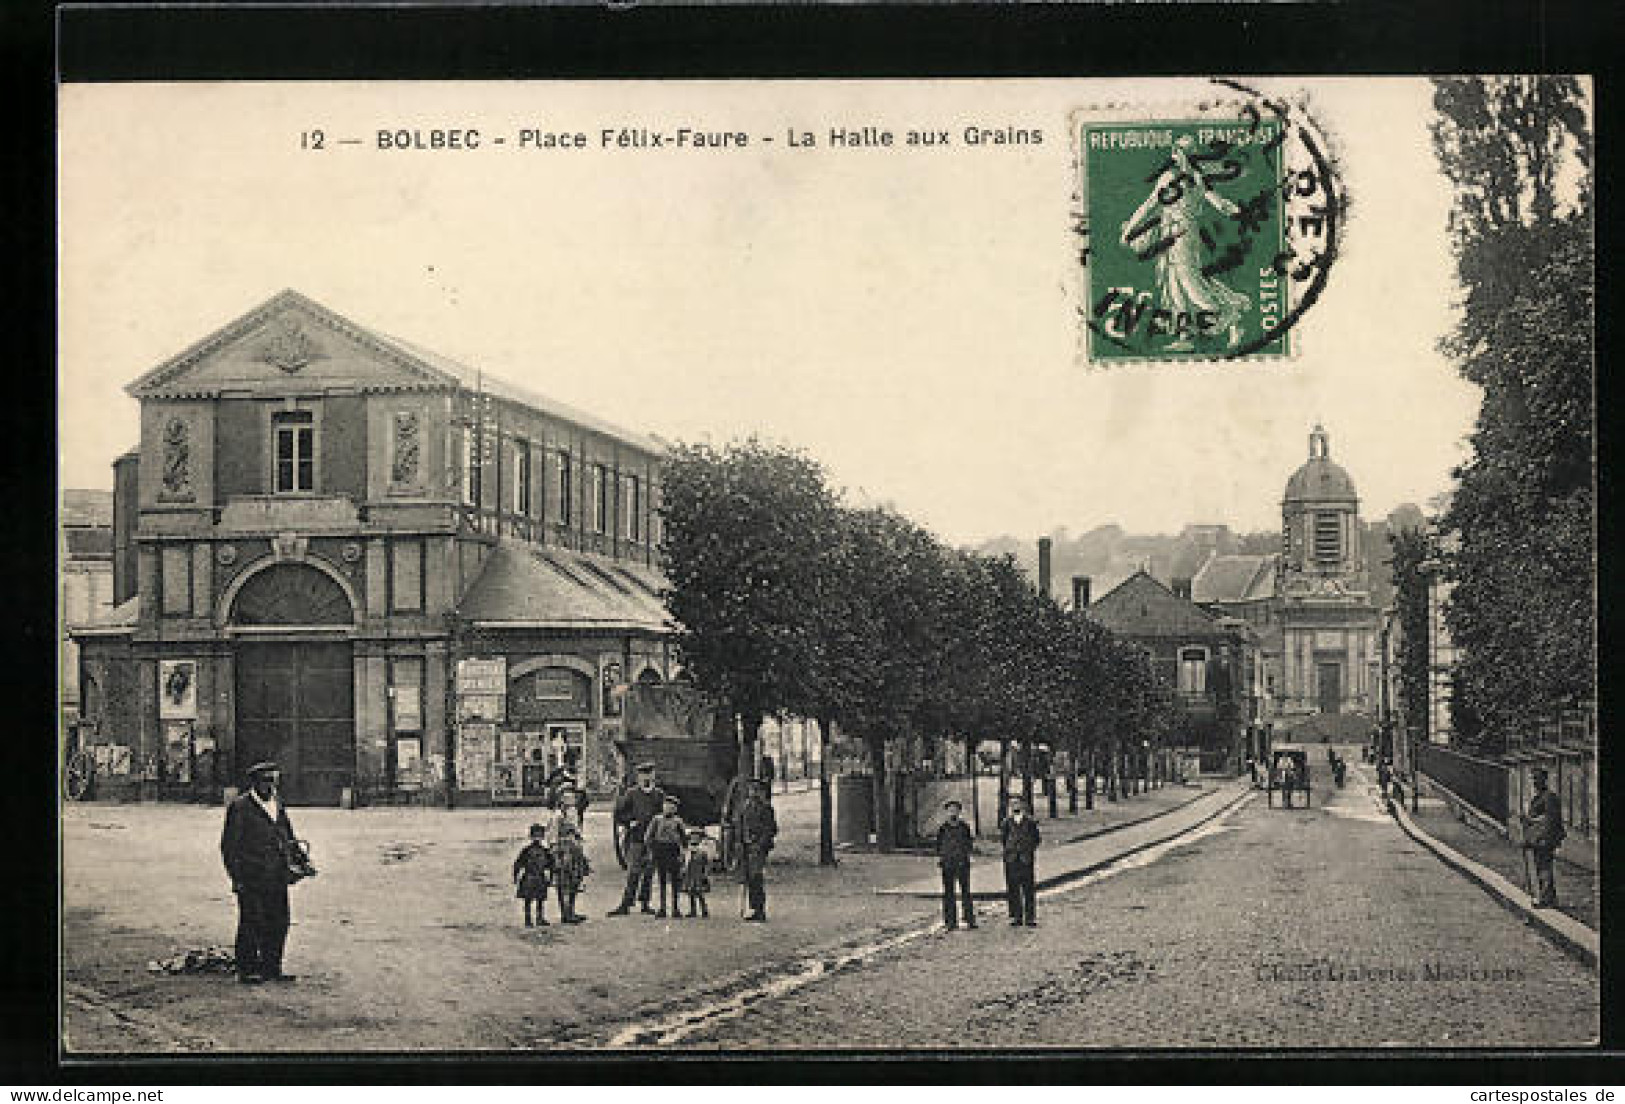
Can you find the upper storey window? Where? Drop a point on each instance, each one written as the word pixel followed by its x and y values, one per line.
pixel 1328 538
pixel 295 443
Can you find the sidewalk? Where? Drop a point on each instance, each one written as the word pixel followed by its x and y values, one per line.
pixel 1121 830
pixel 1576 886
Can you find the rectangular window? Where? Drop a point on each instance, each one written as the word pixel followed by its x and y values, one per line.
pixel 473 467
pixel 521 478
pixel 1328 538
pixel 600 499
pixel 1193 670
pixel 566 489
pixel 406 576
pixel 295 432
pixel 632 508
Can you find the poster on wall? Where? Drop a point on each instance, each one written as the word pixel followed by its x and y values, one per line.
pixel 408 708
pixel 178 751
pixel 475 743
pixel 177 689
pixel 409 763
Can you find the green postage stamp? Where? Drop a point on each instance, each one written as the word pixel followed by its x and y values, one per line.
pixel 1207 233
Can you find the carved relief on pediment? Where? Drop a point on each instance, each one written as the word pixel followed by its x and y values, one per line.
pixel 289 346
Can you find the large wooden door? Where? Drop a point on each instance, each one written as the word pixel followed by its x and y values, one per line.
pixel 296 705
pixel 1331 687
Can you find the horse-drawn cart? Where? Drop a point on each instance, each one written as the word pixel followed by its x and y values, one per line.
pixel 1289 774
pixel 689 737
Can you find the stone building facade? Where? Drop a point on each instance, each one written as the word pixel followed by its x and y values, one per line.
pixel 1311 603
pixel 404 580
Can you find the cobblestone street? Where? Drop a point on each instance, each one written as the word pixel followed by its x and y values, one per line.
pixel 1323 927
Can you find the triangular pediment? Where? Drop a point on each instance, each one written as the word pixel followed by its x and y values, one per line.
pixel 289 340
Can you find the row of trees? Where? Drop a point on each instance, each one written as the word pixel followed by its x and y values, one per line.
pixel 788 601
pixel 1518 540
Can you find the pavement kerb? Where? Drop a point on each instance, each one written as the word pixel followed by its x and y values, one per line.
pixel 1242 793
pixel 1570 936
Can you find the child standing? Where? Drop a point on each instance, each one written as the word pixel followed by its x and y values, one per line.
pixel 570 866
pixel 664 838
pixel 697 873
pixel 531 873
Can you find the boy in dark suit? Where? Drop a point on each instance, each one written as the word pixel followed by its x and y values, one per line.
pixel 953 855
pixel 1020 836
pixel 254 847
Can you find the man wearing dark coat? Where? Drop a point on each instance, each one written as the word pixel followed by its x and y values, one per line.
pixel 953 855
pixel 254 848
pixel 757 827
pixel 1542 831
pixel 635 809
pixel 1020 836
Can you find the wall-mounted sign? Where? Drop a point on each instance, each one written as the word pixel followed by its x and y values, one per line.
pixel 482 676
pixel 408 709
pixel 177 689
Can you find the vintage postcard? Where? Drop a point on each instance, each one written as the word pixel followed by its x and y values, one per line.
pixel 947 565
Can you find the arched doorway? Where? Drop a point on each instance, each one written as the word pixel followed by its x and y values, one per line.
pixel 295 683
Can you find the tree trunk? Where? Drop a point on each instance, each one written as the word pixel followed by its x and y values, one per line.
pixel 975 802
pixel 1113 762
pixel 826 807
pixel 749 726
pixel 1053 783
pixel 1072 780
pixel 1089 781
pixel 1004 779
pixel 1027 779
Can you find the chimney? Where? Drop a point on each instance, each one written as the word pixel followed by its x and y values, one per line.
pixel 1043 566
pixel 1080 592
pixel 1182 589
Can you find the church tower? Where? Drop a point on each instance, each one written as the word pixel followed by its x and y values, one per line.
pixel 1328 624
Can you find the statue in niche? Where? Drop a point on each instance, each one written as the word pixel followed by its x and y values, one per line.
pixel 177 467
pixel 407 448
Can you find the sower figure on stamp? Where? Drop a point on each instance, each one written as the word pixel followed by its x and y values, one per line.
pixel 757 827
pixel 1542 832
pixel 636 808
pixel 953 855
pixel 1020 835
pixel 254 846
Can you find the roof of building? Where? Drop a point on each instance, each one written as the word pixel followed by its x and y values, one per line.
pixel 1320 479
pixel 121 619
pixel 1140 606
pixel 1235 578
pixel 526 586
pixel 432 367
pixel 82 507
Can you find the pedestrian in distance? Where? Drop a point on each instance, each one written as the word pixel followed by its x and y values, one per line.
pixel 697 872
pixel 1543 831
pixel 256 845
pixel 664 838
pixel 953 856
pixel 1020 838
pixel 1385 773
pixel 570 866
pixel 533 876
pixel 633 812
pixel 757 829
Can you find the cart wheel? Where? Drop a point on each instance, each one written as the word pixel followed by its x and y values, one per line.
pixel 79 777
pixel 620 845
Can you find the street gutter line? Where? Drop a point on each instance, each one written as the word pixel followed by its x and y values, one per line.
pixel 808 970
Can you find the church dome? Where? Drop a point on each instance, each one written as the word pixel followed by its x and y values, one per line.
pixel 1320 479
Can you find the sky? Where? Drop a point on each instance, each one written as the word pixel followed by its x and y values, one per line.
pixel 906 316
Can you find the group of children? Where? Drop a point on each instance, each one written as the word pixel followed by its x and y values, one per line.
pixel 554 858
pixel 680 856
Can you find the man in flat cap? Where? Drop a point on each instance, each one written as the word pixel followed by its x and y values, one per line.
pixel 666 837
pixel 254 846
pixel 634 811
pixel 953 855
pixel 757 829
pixel 1542 832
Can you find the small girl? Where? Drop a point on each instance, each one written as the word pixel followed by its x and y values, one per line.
pixel 697 873
pixel 569 857
pixel 531 871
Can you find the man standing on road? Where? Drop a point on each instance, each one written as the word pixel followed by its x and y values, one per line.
pixel 1542 831
pixel 254 847
pixel 757 827
pixel 636 808
pixel 953 855
pixel 1020 836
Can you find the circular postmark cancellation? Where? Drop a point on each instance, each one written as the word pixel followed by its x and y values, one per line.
pixel 1206 231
